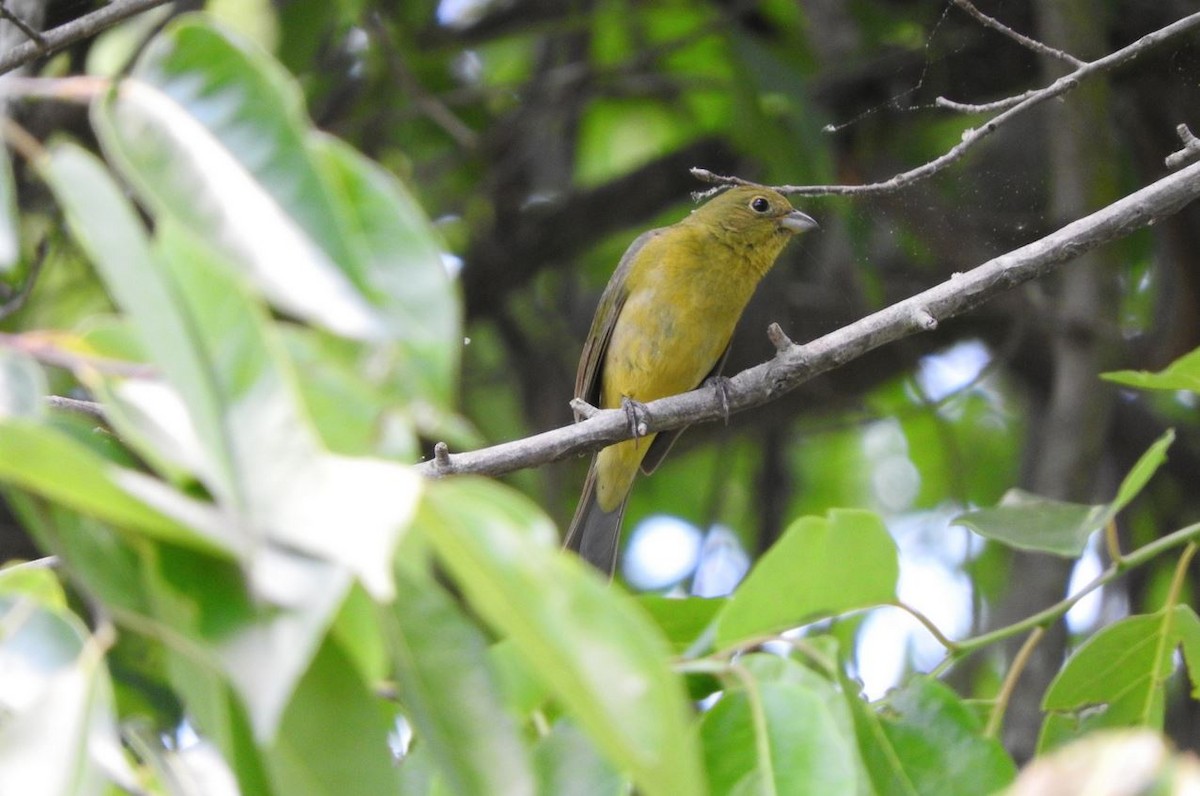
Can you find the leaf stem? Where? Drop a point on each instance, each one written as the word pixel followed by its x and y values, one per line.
pixel 1116 569
pixel 996 718
pixel 942 638
pixel 1112 542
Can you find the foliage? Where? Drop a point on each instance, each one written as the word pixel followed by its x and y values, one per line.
pixel 251 591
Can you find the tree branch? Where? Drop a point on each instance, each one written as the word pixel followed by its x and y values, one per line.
pixel 64 35
pixel 794 364
pixel 1012 107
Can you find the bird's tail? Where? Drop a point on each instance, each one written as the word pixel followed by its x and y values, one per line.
pixel 594 532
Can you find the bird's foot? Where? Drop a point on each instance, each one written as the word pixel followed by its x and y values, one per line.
pixel 636 415
pixel 721 385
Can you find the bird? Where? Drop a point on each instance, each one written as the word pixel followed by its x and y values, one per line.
pixel 662 327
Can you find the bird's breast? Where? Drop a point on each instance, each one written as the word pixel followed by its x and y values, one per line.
pixel 669 336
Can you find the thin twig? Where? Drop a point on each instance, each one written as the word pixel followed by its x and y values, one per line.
pixel 1112 542
pixel 1032 44
pixel 927 623
pixel 64 35
pixel 90 409
pixel 34 35
pixel 973 136
pixel 984 107
pixel 1190 151
pixel 795 365
pixel 431 106
pixel 1185 535
pixel 996 718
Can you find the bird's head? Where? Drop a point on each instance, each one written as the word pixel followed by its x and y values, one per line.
pixel 753 213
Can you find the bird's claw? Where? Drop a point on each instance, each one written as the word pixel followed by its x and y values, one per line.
pixel 721 385
pixel 636 415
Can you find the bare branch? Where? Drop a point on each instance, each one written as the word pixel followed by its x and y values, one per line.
pixel 793 365
pixel 91 409
pixel 1031 44
pixel 1190 151
pixel 76 30
pixel 22 25
pixel 974 135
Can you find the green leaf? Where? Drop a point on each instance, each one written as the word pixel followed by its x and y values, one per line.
pixel 22 384
pixel 290 490
pixel 1188 627
pixel 819 567
pixel 590 644
pixel 262 650
pixel 104 223
pixel 1116 678
pixel 210 133
pixel 451 695
pixel 59 733
pixel 45 461
pixel 568 765
pixel 1182 374
pixel 401 271
pixel 926 742
pixel 682 621
pixel 34 580
pixel 1147 465
pixel 774 731
pixel 333 739
pixel 10 241
pixel 1028 522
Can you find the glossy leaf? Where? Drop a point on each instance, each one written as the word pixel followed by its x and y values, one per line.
pixel 1188 628
pixel 821 566
pixel 333 739
pixel 926 742
pixel 22 385
pixel 451 695
pixel 1029 522
pixel 263 650
pixel 1182 374
pixel 403 276
pixel 567 764
pixel 1141 472
pixel 209 131
pixel 107 227
pixel 1117 677
pixel 682 621
pixel 754 743
pixel 591 646
pixel 59 733
pixel 291 491
pixel 47 462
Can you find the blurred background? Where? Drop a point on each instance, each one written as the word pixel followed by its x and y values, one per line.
pixel 544 135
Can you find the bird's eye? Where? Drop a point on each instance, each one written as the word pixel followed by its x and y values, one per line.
pixel 759 204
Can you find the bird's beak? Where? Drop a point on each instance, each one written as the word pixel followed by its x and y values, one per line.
pixel 796 222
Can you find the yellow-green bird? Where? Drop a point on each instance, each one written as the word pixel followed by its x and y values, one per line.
pixel 663 326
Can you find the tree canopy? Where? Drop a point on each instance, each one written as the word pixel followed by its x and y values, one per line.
pixel 293 297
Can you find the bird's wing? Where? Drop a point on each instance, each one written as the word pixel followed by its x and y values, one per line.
pixel 591 361
pixel 665 439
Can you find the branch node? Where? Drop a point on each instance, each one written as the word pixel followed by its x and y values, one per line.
pixel 924 320
pixel 1190 151
pixel 582 409
pixel 781 341
pixel 441 459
